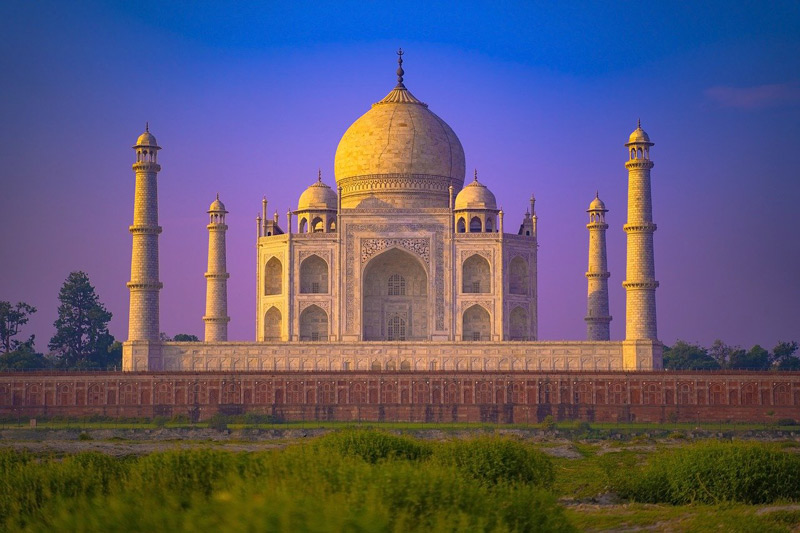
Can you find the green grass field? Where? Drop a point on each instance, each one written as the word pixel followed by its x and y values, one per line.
pixel 376 480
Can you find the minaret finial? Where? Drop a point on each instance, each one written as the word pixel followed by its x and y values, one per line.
pixel 319 175
pixel 639 123
pixel 217 196
pixel 597 193
pixel 147 126
pixel 400 70
pixel 476 175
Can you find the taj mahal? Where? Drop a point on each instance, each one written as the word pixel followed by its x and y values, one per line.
pixel 405 264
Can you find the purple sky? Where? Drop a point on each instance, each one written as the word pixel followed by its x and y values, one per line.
pixel 252 101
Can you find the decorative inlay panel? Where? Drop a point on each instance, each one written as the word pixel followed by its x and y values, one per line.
pixel 420 247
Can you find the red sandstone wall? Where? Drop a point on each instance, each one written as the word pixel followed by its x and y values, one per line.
pixel 501 397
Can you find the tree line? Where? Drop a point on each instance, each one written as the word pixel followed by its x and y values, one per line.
pixel 81 341
pixel 720 356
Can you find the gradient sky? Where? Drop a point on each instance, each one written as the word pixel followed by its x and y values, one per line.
pixel 249 100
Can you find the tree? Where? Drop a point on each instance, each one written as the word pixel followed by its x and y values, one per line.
pixel 82 339
pixel 784 356
pixel 685 356
pixel 12 317
pixel 185 337
pixel 757 358
pixel 723 353
pixel 23 358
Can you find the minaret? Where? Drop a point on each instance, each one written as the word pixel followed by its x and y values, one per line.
pixel 640 283
pixel 143 324
pixel 597 317
pixel 216 317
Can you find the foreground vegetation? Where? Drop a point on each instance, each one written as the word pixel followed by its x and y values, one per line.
pixel 369 480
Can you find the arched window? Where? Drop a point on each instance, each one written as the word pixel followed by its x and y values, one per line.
pixel 397 285
pixel 303 225
pixel 475 225
pixel 313 324
pixel 518 276
pixel 272 325
pixel 396 329
pixel 273 274
pixel 638 153
pixel 476 324
pixel 313 275
pixel 476 275
pixel 489 225
pixel 317 226
pixel 518 324
pixel 461 226
pixel 332 225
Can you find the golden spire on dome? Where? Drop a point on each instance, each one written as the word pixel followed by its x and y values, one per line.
pixel 400 95
pixel 400 70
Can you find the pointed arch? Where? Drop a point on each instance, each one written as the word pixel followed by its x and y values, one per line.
pixel 475 225
pixel 476 275
pixel 395 284
pixel 518 276
pixel 461 226
pixel 272 324
pixel 313 324
pixel 273 277
pixel 476 324
pixel 314 275
pixel 518 324
pixel 317 226
pixel 303 225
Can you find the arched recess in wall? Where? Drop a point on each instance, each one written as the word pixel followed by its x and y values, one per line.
pixel 461 226
pixel 314 275
pixel 313 324
pixel 273 277
pixel 303 225
pixel 518 324
pixel 395 287
pixel 272 325
pixel 476 275
pixel 317 226
pixel 476 324
pixel 518 276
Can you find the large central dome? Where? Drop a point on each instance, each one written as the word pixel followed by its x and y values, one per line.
pixel 399 153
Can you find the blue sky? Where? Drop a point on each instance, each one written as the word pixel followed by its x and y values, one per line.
pixel 250 99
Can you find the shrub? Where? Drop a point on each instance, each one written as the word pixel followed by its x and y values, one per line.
pixel 493 460
pixel 300 488
pixel 84 436
pixel 548 422
pixel 218 422
pixel 712 472
pixel 372 445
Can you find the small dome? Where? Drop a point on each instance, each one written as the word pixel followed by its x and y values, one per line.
pixel 597 204
pixel 146 138
pixel 475 195
pixel 217 206
pixel 317 197
pixel 639 135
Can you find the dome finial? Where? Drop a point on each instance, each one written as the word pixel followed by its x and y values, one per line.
pixel 597 193
pixel 476 175
pixel 147 126
pixel 319 175
pixel 639 123
pixel 400 70
pixel 217 196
